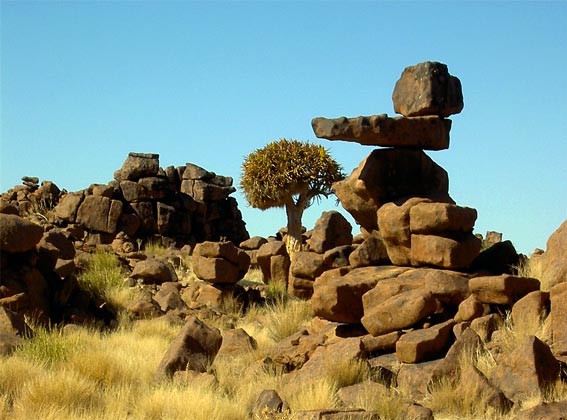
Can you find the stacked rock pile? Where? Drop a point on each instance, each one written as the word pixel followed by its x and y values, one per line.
pixel 398 190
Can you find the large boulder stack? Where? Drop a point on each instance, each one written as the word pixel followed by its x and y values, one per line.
pixel 187 204
pixel 399 191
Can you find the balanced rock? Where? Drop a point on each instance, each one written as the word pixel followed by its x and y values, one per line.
pixel 429 133
pixel 331 230
pixel 154 271
pixel 219 262
pixel 427 89
pixel 502 290
pixel 138 165
pixel 387 175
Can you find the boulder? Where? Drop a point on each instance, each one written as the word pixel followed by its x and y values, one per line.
pixel 215 270
pixel 397 312
pixel 526 372
pixel 558 316
pixel 371 251
pixel 444 252
pixel 154 271
pixel 416 379
pixel 382 343
pixel 388 175
pixel 308 265
pixel 194 348
pixel 545 411
pixel 253 243
pixel 138 165
pixel 338 297
pixel 500 258
pixel 331 230
pixel 441 218
pixel 168 297
pixel 475 386
pixel 530 309
pixel 268 400
pixel 470 308
pixel 235 342
pixel 337 256
pixel 18 234
pixel 502 290
pixel 100 214
pixel 554 260
pixel 466 346
pixel 425 344
pixel 13 329
pixel 429 133
pixel 427 89
pixel 278 271
pixel 486 325
pixel 68 205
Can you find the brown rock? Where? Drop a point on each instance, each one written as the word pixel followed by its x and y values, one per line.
pixel 554 260
pixel 558 316
pixel 99 213
pixel 307 265
pixel 466 345
pixel 398 312
pixel 154 271
pixel 269 400
pixel 486 325
pixel 351 396
pixel 139 165
pixel 68 206
pixel 168 297
pixel 502 290
pixel 527 372
pixel 382 343
pixel 59 240
pixel 18 234
pixel 194 348
pixel 215 270
pixel 531 308
pixel 387 175
pixel 414 378
pixel 264 257
pixel 200 294
pixel 225 250
pixel 475 386
pixel 13 329
pixel 292 352
pixel 444 252
pixel 500 258
pixel 470 308
pixel 440 218
pixel 7 208
pixel 331 230
pixel 236 342
pixel 253 243
pixel 426 344
pixel 427 89
pixel 371 251
pixel 337 256
pixel 429 133
pixel 145 212
pixel 339 298
pixel 417 412
pixel 544 411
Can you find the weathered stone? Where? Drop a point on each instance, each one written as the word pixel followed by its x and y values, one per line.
pixel 168 297
pixel 200 294
pixel 154 271
pixel 194 348
pixel 554 260
pixel 429 133
pixel 8 208
pixel 558 316
pixel 473 385
pixel 531 309
pixel 415 378
pixel 138 165
pixel 382 343
pixel 448 287
pixel 398 312
pixel 68 205
pixel 58 239
pixel 13 329
pixel 486 325
pixel 215 270
pixel 427 89
pixel 18 234
pixel 425 344
pixel 292 352
pixel 268 400
pixel 145 212
pixel 469 309
pixel 352 395
pixel 387 175
pixel 339 298
pixel 444 252
pixel 371 251
pixel 545 411
pixel 235 342
pixel 99 213
pixel 331 230
pixel 279 269
pixel 502 290
pixel 225 250
pixel 264 257
pixel 253 243
pixel 102 190
pixel 527 372
pixel 165 217
pixel 337 257
pixel 157 187
pixel 202 191
pixel 465 347
pixel 307 265
pixel 441 218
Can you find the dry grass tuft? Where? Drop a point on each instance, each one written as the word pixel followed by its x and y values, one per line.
pixel 288 317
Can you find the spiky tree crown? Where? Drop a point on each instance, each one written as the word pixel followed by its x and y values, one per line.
pixel 271 176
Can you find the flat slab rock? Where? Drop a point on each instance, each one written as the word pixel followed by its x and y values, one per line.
pixel 430 132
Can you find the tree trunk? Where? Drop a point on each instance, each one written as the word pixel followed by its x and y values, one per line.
pixel 294 214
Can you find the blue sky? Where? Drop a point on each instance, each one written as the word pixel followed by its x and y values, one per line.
pixel 85 83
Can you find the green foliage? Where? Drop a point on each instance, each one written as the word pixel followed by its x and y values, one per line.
pixel 271 176
pixel 103 277
pixel 46 346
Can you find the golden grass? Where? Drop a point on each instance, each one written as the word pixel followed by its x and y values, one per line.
pixel 316 395
pixel 286 318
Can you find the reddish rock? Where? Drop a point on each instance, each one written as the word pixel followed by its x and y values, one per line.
pixel 18 234
pixel 269 400
pixel 554 260
pixel 544 411
pixel 99 213
pixel 425 344
pixel 415 378
pixel 215 270
pixel 474 385
pixel 502 290
pixel 486 325
pixel 168 297
pixel 444 252
pixel 382 343
pixel 440 218
pixel 371 251
pixel 338 297
pixel 387 175
pixel 337 256
pixel 235 342
pixel 139 165
pixel 429 133
pixel 470 308
pixel 225 250
pixel 13 329
pixel 331 230
pixel 307 265
pixel 531 308
pixel 264 257
pixel 427 89
pixel 558 316
pixel 527 372
pixel 68 205
pixel 154 271
pixel 194 348
pixel 253 243
pixel 398 312
pixel 466 345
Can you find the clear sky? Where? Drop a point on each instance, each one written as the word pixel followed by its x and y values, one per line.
pixel 84 83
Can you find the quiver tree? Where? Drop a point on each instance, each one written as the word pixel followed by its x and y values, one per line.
pixel 290 174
